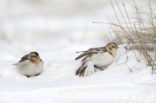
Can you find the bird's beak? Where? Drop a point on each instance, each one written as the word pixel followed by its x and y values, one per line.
pixel 38 57
pixel 117 47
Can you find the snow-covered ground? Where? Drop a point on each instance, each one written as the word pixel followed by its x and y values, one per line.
pixel 59 84
pixel 57 38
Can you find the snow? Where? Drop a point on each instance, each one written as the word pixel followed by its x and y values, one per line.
pixel 58 83
pixel 57 39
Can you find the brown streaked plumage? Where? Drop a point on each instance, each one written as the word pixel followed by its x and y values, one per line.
pixel 30 64
pixel 31 56
pixel 99 53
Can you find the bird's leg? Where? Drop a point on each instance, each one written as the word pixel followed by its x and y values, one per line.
pixel 37 74
pixel 28 76
pixel 98 67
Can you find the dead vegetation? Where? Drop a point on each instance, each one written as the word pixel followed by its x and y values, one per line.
pixel 138 33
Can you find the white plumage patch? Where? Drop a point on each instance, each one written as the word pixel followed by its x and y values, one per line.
pixel 30 69
pixel 101 59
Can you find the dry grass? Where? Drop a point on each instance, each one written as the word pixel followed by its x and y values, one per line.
pixel 139 35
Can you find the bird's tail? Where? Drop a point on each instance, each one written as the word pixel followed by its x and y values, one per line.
pixel 80 51
pixel 81 70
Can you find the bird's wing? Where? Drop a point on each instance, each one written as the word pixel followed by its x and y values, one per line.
pixel 23 58
pixel 91 51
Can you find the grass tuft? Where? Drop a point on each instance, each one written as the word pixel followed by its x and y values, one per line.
pixel 139 35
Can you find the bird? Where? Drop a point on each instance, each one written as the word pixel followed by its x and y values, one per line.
pixel 95 59
pixel 30 65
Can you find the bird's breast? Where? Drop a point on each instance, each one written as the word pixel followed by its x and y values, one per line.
pixel 102 58
pixel 29 68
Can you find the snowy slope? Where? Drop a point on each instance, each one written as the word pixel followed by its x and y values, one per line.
pixel 57 37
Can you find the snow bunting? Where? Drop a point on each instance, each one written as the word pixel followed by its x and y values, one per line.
pixel 96 59
pixel 30 65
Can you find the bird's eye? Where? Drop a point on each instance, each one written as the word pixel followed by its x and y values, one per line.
pixel 34 56
pixel 113 46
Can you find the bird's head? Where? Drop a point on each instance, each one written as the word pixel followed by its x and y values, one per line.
pixel 112 47
pixel 34 56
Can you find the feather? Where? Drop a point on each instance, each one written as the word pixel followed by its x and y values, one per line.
pixel 23 58
pixel 84 54
pixel 91 51
pixel 81 69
